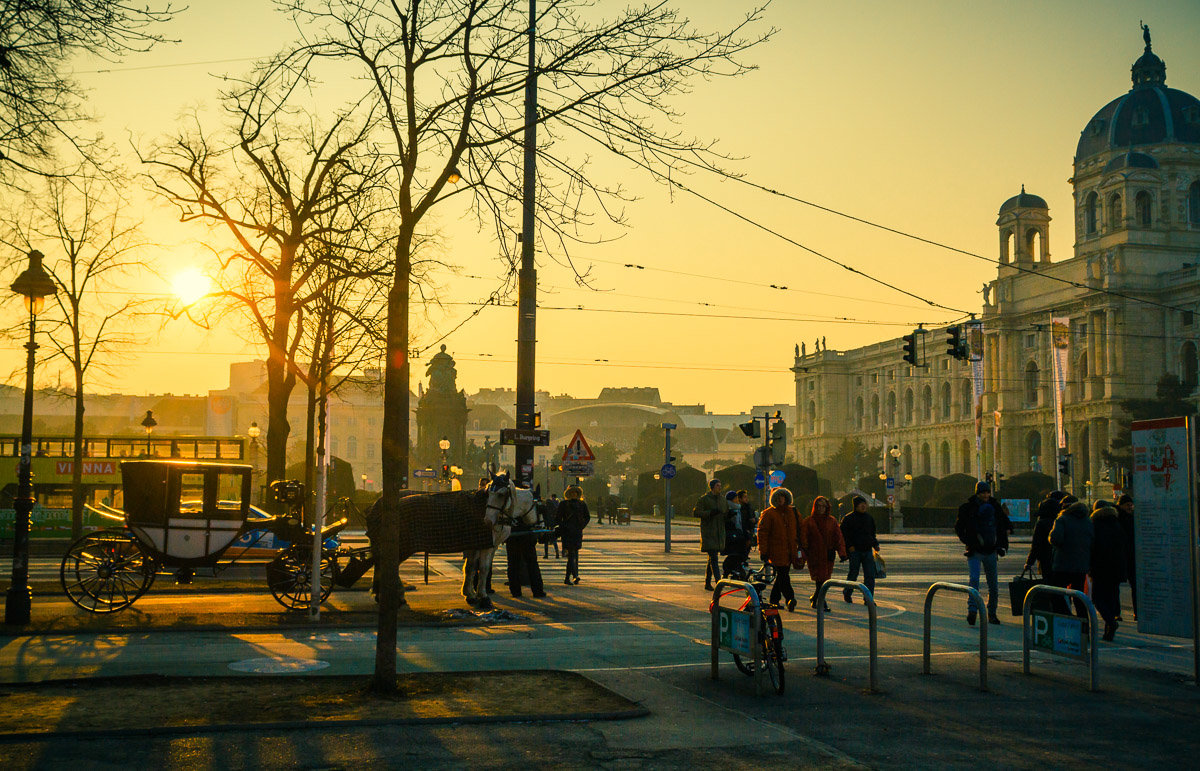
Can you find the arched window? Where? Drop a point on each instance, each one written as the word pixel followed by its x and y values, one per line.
pixel 1090 217
pixel 1194 203
pixel 858 413
pixel 926 461
pixel 907 459
pixel 1081 370
pixel 945 458
pixel 1187 364
pixel 1008 247
pixel 351 447
pixel 908 407
pixel 333 445
pixel 875 411
pixel 966 456
pixel 1033 444
pixel 1033 243
pixel 810 426
pixel 1031 384
pixel 1115 215
pixel 891 408
pixel 1141 209
pixel 967 406
pixel 926 404
pixel 946 400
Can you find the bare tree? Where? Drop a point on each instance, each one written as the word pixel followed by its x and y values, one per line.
pixel 40 102
pixel 448 77
pixel 287 194
pixel 95 248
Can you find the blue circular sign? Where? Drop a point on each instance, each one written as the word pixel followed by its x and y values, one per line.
pixel 777 477
pixel 667 471
pixel 760 481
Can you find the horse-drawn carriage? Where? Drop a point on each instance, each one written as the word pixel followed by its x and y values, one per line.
pixel 180 516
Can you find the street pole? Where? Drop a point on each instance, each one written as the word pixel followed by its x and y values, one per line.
pixel 667 480
pixel 527 276
pixel 19 601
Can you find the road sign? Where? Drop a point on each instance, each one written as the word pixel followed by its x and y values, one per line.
pixel 1059 634
pixel 579 468
pixel 667 471
pixel 529 437
pixel 760 481
pixel 891 499
pixel 734 626
pixel 577 448
pixel 777 477
pixel 426 473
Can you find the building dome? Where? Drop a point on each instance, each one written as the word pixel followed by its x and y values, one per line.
pixel 1024 200
pixel 1131 161
pixel 1149 114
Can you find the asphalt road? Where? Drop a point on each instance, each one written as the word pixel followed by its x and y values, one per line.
pixel 638 623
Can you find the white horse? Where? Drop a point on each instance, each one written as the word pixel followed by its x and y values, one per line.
pixel 507 505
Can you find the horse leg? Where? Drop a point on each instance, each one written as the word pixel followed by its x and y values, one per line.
pixel 483 561
pixel 469 578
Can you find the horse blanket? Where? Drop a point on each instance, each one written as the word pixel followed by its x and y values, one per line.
pixel 437 523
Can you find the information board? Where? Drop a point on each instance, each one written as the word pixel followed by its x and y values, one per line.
pixel 1163 526
pixel 1058 634
pixel 734 628
pixel 1018 509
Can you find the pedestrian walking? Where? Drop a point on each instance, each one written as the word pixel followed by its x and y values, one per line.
pixel 779 544
pixel 1125 517
pixel 983 527
pixel 739 531
pixel 1108 564
pixel 1040 553
pixel 1071 539
pixel 822 543
pixel 711 509
pixel 573 517
pixel 550 516
pixel 858 531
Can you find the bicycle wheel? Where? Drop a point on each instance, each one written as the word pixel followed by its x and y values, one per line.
pixel 289 576
pixel 105 571
pixel 773 661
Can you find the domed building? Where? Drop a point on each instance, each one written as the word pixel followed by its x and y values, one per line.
pixel 1128 294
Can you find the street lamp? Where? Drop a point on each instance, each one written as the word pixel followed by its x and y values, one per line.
pixel 254 432
pixel 149 423
pixel 34 284
pixel 444 445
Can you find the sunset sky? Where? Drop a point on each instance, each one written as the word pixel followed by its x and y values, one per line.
pixel 923 116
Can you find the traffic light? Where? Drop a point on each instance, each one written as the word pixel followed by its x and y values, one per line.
pixel 751 429
pixel 910 349
pixel 778 442
pixel 954 342
pixel 1064 466
pixel 445 471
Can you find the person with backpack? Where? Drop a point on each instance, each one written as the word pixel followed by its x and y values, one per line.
pixel 573 517
pixel 858 530
pixel 739 532
pixel 983 528
pixel 711 509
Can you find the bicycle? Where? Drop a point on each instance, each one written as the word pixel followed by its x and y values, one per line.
pixel 773 654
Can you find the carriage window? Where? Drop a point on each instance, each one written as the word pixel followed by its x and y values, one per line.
pixel 191 495
pixel 229 491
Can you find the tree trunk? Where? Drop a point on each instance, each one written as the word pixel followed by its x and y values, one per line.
pixel 77 457
pixel 395 471
pixel 310 447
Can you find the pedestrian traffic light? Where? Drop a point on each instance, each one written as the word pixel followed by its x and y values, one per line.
pixel 910 349
pixel 954 342
pixel 778 442
pixel 1064 466
pixel 751 429
pixel 445 471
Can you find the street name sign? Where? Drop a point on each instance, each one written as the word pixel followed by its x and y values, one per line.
pixel 529 437
pixel 579 468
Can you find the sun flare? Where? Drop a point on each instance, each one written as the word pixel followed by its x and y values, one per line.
pixel 190 285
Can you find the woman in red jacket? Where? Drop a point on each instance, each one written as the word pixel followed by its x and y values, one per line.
pixel 778 544
pixel 821 539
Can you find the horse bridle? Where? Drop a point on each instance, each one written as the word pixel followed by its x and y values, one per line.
pixel 505 517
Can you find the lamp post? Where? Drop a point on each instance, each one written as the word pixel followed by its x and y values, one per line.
pixel 444 445
pixel 254 432
pixel 34 284
pixel 149 423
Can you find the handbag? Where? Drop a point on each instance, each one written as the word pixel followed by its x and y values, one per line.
pixel 1019 586
pixel 880 566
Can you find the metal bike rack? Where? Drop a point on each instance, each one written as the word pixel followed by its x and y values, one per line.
pixel 1094 648
pixel 755 630
pixel 869 601
pixel 983 625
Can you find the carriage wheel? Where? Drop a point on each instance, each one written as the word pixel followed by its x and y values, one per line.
pixel 290 576
pixel 105 571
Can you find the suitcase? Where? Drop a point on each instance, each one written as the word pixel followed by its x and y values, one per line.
pixel 1019 586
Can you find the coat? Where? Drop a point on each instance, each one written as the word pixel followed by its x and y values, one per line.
pixel 1040 553
pixel 858 531
pixel 739 529
pixel 1126 520
pixel 978 534
pixel 573 516
pixel 779 535
pixel 820 538
pixel 1108 547
pixel 711 509
pixel 1071 539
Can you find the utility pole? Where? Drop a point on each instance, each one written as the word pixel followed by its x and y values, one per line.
pixel 667 472
pixel 527 276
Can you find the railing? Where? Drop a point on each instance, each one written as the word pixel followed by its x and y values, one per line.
pixel 869 601
pixel 754 630
pixel 983 626
pixel 1027 636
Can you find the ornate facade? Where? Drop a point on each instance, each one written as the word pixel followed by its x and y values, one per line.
pixel 1130 289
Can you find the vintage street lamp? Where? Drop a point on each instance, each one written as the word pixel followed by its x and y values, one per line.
pixel 149 423
pixel 444 445
pixel 34 284
pixel 254 432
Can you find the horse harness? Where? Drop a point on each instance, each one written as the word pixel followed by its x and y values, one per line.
pixel 505 517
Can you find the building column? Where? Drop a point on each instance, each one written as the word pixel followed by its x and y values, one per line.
pixel 1110 347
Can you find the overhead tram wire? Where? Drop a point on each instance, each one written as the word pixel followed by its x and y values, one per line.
pixel 766 229
pixel 924 240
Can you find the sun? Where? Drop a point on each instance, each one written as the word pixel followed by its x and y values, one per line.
pixel 190 285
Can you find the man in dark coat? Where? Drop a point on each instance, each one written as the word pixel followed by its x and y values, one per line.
pixel 521 550
pixel 983 527
pixel 550 522
pixel 1040 553
pixel 1125 517
pixel 858 530
pixel 1108 564
pixel 1071 539
pixel 711 509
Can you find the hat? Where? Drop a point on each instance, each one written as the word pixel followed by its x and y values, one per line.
pixel 729 496
pixel 1102 504
pixel 857 500
pixel 1124 499
pixel 982 487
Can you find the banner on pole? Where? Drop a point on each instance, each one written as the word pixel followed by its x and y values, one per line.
pixel 1060 342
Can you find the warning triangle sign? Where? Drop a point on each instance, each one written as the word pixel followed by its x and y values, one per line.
pixel 577 448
